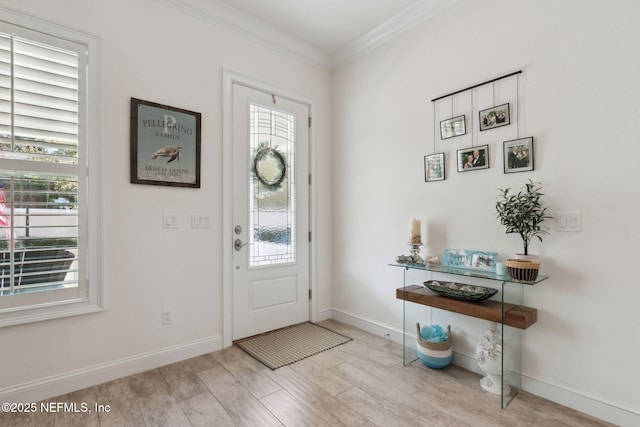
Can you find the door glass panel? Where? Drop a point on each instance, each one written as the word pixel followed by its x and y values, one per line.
pixel 271 192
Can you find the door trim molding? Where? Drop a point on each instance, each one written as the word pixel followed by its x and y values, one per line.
pixel 229 78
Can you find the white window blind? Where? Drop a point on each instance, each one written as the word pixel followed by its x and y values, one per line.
pixel 44 173
pixel 38 101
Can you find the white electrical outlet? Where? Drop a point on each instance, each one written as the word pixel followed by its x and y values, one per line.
pixel 167 317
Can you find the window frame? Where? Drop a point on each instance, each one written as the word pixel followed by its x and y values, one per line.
pixel 89 298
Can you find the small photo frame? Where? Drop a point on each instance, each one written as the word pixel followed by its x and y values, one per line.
pixel 434 167
pixel 454 126
pixel 470 259
pixel 473 158
pixel 165 145
pixel 518 155
pixel 495 117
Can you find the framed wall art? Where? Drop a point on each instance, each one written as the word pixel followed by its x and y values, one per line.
pixel 455 126
pixel 518 155
pixel 495 117
pixel 473 158
pixel 434 167
pixel 165 145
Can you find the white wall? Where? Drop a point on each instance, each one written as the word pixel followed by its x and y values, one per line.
pixel 157 53
pixel 577 98
pixel 578 95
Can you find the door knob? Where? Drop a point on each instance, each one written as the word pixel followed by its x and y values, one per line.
pixel 238 244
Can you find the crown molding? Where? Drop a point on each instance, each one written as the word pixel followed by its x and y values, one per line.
pixel 232 20
pixel 414 14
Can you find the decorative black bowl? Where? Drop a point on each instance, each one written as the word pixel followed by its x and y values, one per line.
pixel 460 291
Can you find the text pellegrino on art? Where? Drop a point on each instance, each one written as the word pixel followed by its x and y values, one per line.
pixel 167 145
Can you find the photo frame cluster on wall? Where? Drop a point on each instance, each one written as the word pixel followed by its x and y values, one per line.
pixel 517 153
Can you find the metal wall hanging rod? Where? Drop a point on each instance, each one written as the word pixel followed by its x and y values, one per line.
pixel 475 86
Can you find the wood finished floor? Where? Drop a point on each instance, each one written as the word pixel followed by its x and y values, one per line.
pixel 360 383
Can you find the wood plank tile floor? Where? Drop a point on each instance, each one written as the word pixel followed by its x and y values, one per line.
pixel 360 383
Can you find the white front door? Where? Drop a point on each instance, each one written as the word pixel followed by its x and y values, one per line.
pixel 270 212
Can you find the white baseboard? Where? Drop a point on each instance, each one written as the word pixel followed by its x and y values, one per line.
pixel 368 325
pixel 594 406
pixel 57 385
pixel 323 314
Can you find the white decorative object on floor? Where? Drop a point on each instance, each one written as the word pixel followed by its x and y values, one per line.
pixel 489 355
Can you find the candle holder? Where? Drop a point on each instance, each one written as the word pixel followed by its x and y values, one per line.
pixel 414 248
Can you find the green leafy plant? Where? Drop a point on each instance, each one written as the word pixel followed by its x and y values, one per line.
pixel 523 212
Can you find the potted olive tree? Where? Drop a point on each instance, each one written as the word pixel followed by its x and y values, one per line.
pixel 523 213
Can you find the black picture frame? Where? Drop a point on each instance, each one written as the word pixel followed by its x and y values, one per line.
pixel 453 127
pixel 468 160
pixel 495 117
pixel 518 155
pixel 434 167
pixel 165 145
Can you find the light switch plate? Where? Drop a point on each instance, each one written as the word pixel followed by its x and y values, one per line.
pixel 569 221
pixel 200 221
pixel 170 220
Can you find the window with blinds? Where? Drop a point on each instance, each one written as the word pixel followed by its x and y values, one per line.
pixel 38 101
pixel 44 171
pixel 39 135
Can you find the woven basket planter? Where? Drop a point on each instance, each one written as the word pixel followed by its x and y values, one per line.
pixel 524 270
pixel 434 354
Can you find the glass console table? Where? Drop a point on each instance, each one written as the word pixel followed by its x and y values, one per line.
pixel 504 308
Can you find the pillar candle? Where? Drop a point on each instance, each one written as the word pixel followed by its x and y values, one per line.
pixel 415 231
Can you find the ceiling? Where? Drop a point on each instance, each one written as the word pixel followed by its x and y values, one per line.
pixel 326 24
pixel 327 32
